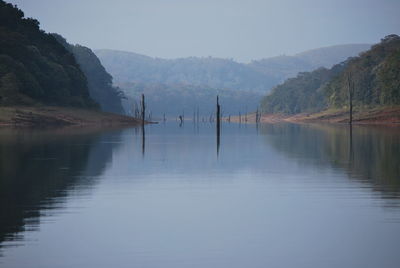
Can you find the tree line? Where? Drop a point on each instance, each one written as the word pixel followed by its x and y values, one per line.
pixel 375 80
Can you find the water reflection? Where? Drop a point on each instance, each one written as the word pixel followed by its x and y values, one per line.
pixel 369 154
pixel 285 196
pixel 39 169
pixel 143 140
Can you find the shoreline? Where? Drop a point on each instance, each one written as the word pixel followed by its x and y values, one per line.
pixel 54 116
pixel 374 116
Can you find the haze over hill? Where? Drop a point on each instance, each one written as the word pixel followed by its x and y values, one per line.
pixel 220 73
pixel 206 71
pixel 98 80
pixel 187 83
pixel 284 67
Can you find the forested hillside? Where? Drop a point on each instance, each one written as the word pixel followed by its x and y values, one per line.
pixel 99 81
pixel 374 77
pixel 259 75
pixel 179 80
pixel 34 67
pixel 303 93
pixel 207 71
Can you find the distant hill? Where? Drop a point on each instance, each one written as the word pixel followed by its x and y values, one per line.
pixel 99 81
pixel 34 67
pixel 259 75
pixel 375 75
pixel 207 71
pixel 173 87
pixel 198 80
pixel 329 56
pixel 284 67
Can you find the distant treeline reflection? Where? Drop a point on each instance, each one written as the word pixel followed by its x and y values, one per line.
pixel 369 154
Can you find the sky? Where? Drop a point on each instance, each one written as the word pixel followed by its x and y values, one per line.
pixel 242 30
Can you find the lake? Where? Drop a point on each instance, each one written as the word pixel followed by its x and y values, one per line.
pixel 276 195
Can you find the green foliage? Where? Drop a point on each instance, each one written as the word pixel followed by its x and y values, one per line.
pixel 99 81
pixel 388 80
pixel 375 75
pixel 34 67
pixel 300 94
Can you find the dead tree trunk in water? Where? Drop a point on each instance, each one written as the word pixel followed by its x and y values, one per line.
pixel 143 110
pixel 218 115
pixel 181 120
pixel 350 87
pixel 143 115
pixel 257 115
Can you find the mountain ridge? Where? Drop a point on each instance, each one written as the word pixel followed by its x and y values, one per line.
pixel 258 75
pixel 201 78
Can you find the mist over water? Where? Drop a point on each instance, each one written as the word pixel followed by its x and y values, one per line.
pixel 280 195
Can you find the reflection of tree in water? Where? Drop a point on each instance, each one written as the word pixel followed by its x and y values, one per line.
pixel 38 168
pixel 375 155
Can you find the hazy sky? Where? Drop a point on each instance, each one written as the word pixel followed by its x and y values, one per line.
pixel 238 29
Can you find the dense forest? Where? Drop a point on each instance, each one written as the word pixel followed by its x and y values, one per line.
pixel 303 93
pixel 99 81
pixel 374 79
pixel 34 67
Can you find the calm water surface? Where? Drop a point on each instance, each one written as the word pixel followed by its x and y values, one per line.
pixel 274 196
